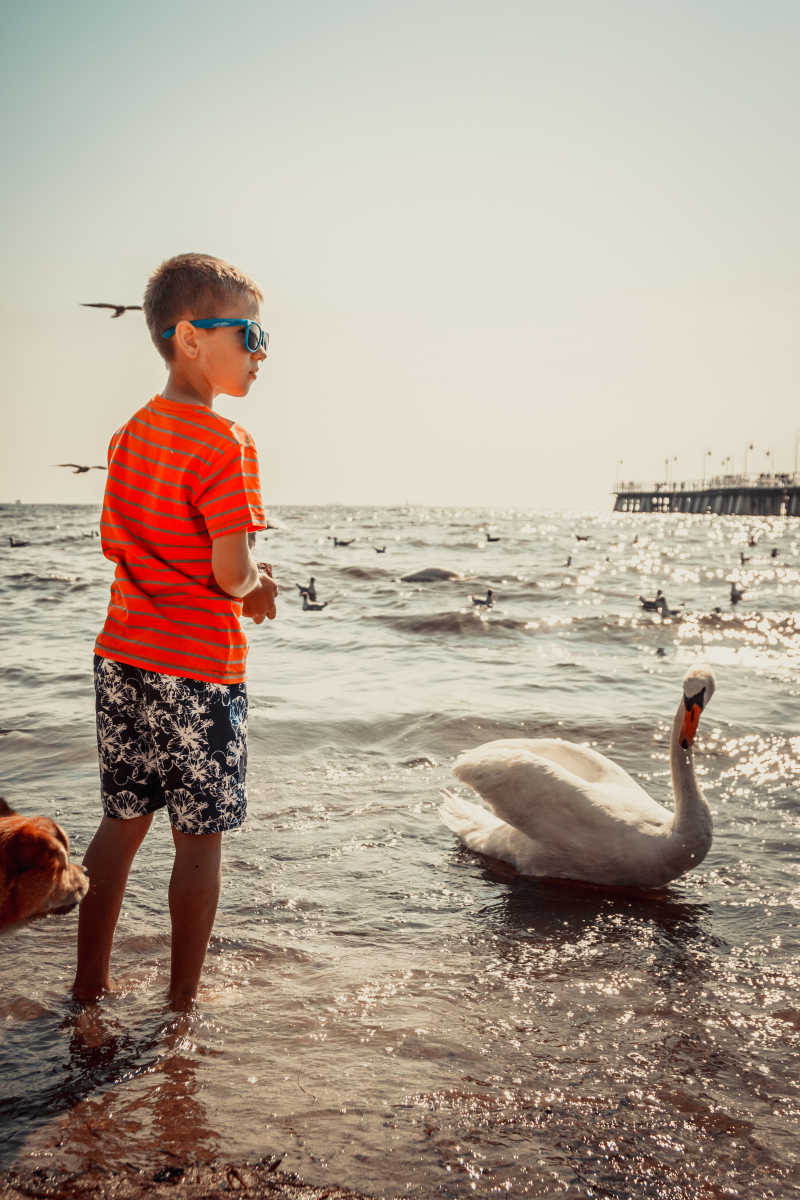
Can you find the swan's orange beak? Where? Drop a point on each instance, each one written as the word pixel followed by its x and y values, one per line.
pixel 693 706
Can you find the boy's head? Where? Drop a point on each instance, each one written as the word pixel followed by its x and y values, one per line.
pixel 191 287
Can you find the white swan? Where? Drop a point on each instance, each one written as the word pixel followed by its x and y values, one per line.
pixel 563 811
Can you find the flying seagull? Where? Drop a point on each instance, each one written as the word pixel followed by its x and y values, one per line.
pixel 79 469
pixel 119 309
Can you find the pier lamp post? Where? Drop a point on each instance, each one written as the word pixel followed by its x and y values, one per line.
pixel 619 473
pixel 706 457
pixel 747 450
pixel 670 469
pixel 768 456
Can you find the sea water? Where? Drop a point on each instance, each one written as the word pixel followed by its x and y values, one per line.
pixel 380 1007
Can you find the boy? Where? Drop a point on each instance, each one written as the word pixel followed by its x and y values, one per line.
pixel 182 499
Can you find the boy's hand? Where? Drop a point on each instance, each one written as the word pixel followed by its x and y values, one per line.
pixel 260 603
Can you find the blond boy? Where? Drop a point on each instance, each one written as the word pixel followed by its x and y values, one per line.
pixel 182 499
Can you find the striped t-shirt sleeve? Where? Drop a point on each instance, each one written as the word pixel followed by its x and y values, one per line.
pixel 230 498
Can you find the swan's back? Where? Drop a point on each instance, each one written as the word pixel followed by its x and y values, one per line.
pixel 577 765
pixel 560 793
pixel 587 764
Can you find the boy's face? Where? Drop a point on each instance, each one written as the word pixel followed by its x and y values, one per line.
pixel 223 358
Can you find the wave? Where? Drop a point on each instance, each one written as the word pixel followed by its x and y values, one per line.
pixel 477 544
pixel 761 627
pixel 90 538
pixel 469 623
pixel 28 579
pixel 429 740
pixel 431 575
pixel 508 580
pixel 773 623
pixel 365 572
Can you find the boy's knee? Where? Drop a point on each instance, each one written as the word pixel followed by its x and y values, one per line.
pixel 198 850
pixel 124 833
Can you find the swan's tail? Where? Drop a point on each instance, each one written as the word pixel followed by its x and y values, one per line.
pixel 468 821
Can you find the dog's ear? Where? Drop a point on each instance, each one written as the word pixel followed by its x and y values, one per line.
pixel 28 848
pixel 5 809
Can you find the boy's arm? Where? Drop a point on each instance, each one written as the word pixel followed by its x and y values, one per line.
pixel 232 564
pixel 236 573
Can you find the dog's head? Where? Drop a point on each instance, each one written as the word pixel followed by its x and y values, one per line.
pixel 36 875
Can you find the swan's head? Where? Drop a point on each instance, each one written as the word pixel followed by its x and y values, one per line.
pixel 698 688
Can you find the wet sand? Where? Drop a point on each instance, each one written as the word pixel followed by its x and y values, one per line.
pixel 191 1181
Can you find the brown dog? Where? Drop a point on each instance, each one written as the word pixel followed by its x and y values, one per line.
pixel 36 876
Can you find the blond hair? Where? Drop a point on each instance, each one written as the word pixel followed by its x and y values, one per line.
pixel 191 286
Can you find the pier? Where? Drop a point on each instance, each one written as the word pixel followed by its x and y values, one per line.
pixel 742 495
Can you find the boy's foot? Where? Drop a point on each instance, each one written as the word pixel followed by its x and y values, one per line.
pixel 181 1002
pixel 82 994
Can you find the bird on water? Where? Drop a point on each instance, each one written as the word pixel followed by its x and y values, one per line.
pixel 309 606
pixel 309 589
pixel 655 604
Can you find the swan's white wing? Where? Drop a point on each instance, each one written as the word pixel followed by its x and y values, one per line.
pixel 589 765
pixel 482 831
pixel 554 805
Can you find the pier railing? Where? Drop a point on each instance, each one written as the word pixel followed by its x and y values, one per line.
pixel 766 494
pixel 775 480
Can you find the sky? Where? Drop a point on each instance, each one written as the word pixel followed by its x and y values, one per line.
pixel 510 252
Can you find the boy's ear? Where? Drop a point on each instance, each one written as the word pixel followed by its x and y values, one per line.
pixel 186 339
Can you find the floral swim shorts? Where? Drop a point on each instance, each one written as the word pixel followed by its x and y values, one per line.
pixel 166 740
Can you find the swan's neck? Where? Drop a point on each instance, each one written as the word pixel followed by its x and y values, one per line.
pixel 692 821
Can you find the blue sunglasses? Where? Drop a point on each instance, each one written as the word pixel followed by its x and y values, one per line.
pixel 255 336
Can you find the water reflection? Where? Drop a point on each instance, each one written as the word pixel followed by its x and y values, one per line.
pixel 117 1095
pixel 612 1060
pixel 651 947
pixel 553 910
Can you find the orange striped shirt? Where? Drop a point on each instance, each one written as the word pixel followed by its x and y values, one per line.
pixel 178 476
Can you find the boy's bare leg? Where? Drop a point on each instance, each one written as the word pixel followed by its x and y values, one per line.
pixel 107 860
pixel 193 894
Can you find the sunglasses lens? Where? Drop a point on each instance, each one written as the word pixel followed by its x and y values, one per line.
pixel 254 336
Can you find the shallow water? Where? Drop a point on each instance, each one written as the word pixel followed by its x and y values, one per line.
pixel 380 1006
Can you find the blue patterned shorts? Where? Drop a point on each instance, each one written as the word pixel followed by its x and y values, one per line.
pixel 166 740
